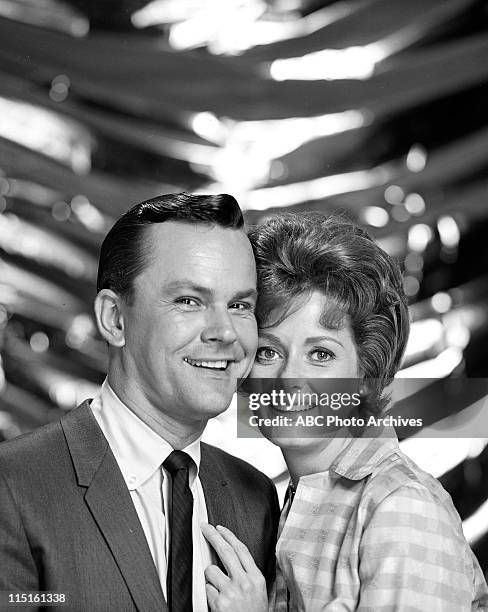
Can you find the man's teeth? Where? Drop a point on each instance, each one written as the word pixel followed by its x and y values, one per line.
pixel 216 365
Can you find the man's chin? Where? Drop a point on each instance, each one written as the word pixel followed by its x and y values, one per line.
pixel 214 404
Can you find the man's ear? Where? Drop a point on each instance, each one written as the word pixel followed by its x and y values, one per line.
pixel 110 317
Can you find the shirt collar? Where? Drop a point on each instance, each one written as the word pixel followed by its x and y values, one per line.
pixel 138 449
pixel 363 454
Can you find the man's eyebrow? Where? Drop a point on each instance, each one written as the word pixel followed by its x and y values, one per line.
pixel 189 285
pixel 247 293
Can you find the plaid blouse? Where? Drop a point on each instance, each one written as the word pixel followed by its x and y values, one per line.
pixel 373 533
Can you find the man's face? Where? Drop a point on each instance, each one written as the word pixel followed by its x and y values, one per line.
pixel 190 329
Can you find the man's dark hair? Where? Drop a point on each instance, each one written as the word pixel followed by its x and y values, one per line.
pixel 125 251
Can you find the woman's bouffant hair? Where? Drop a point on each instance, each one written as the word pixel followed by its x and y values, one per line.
pixel 297 254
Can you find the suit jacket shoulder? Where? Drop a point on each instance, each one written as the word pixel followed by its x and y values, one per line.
pixel 234 466
pixel 67 521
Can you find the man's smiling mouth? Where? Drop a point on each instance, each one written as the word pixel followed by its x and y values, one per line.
pixel 220 364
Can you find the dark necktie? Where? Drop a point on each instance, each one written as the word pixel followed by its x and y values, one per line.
pixel 289 497
pixel 180 561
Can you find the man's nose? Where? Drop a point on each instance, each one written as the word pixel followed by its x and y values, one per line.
pixel 219 327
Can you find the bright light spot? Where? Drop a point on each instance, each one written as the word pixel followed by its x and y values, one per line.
pixel 237 171
pixel 88 214
pixel 458 335
pixel 436 455
pixel 59 88
pixel 394 194
pixel 415 204
pixel 50 15
pixel 414 262
pixel 375 216
pixel 64 394
pixel 8 293
pixel 4 186
pixel 448 231
pixel 209 127
pixel 441 302
pixel 416 158
pixel 424 335
pixel 278 170
pixel 61 211
pixel 222 25
pixel 476 525
pixel 39 342
pixel 81 328
pixel 47 133
pixel 329 64
pixel 162 11
pixel 316 189
pixel 245 159
pixel 25 239
pixel 411 285
pixel 476 447
pixel 69 392
pixel 275 138
pixel 419 237
pixel 439 367
pixel 240 32
pixel 400 214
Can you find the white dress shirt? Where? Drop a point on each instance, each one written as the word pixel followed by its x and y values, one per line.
pixel 140 452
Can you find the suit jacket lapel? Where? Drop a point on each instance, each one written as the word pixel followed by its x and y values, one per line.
pixel 222 505
pixel 111 506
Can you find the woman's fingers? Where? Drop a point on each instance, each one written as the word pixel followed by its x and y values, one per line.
pixel 212 596
pixel 240 549
pixel 216 577
pixel 224 549
pixel 244 589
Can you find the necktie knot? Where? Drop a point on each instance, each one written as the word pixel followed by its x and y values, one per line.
pixel 177 460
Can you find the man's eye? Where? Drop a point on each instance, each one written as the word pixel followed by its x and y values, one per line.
pixel 321 355
pixel 266 354
pixel 243 306
pixel 187 301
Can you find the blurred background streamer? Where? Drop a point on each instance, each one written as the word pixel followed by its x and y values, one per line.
pixel 375 108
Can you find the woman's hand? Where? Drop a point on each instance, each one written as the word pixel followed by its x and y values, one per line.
pixel 244 589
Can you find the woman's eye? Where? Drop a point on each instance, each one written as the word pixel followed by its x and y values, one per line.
pixel 266 353
pixel 321 355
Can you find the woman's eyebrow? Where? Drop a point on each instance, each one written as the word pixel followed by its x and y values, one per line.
pixel 318 339
pixel 269 336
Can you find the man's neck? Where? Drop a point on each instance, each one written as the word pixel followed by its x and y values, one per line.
pixel 178 435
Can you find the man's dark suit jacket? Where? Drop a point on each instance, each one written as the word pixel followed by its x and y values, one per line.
pixel 68 524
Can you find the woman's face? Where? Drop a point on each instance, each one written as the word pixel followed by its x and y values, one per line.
pixel 300 347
